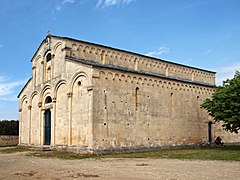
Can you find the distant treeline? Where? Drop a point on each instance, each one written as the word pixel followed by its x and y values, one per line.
pixel 9 127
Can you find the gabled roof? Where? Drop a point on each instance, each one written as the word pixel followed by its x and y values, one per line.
pixel 24 87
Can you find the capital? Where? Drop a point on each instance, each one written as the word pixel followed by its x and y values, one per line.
pixel 39 104
pixel 69 94
pixel 54 100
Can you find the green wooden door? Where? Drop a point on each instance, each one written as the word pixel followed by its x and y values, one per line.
pixel 47 140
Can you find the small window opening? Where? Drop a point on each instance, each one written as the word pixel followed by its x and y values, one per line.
pixel 48 100
pixel 48 57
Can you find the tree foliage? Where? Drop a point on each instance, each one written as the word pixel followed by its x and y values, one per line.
pixel 9 127
pixel 225 104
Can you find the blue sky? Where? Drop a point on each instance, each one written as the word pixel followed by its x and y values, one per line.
pixel 199 33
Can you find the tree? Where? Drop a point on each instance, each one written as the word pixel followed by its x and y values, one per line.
pixel 224 104
pixel 9 127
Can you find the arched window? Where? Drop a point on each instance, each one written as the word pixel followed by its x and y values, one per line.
pixel 48 57
pixel 48 100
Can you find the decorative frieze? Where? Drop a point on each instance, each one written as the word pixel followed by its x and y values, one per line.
pixel 155 82
pixel 120 58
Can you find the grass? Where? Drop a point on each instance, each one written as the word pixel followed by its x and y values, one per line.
pixel 227 153
pixel 8 150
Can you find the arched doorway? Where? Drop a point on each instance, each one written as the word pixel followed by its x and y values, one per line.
pixel 47 122
pixel 210 131
pixel 47 127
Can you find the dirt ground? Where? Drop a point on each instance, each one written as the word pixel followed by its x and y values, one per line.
pixel 19 166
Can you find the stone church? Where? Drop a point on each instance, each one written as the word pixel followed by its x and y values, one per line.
pixel 88 98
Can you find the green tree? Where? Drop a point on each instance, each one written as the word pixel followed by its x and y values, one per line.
pixel 224 104
pixel 9 127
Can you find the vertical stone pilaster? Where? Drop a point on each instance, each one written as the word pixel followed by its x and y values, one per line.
pixel 103 57
pixel 20 126
pixel 29 124
pixel 34 75
pixel 172 99
pixel 69 118
pixel 43 71
pixel 136 64
pixel 52 66
pixel 40 124
pixel 90 115
pixel 53 119
pixel 193 76
pixel 42 116
pixel 167 70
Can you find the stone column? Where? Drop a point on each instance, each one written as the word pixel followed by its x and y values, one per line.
pixel 34 75
pixel 43 125
pixel 43 72
pixel 40 124
pixel 20 125
pixel 52 66
pixel 53 120
pixel 69 118
pixel 90 116
pixel 29 124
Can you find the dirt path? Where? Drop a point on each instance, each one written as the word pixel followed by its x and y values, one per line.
pixel 20 166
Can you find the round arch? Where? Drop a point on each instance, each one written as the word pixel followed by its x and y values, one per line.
pixel 46 91
pixel 75 77
pixel 58 85
pixel 56 46
pixel 31 96
pixel 24 98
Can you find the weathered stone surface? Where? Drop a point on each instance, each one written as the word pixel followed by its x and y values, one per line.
pixel 8 140
pixel 103 98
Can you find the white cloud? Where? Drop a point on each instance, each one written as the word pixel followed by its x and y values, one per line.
pixel 58 7
pixel 8 88
pixel 226 72
pixel 108 3
pixel 68 1
pixel 159 51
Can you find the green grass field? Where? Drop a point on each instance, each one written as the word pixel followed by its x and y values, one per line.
pixel 228 153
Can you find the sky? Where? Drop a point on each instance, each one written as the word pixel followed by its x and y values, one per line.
pixel 198 33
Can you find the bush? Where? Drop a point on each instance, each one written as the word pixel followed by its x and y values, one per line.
pixel 9 127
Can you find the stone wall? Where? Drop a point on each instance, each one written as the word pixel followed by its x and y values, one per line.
pixel 8 140
pixel 133 110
